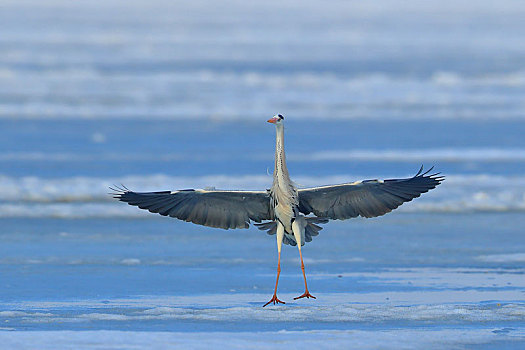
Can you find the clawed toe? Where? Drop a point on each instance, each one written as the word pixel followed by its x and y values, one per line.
pixel 274 300
pixel 305 295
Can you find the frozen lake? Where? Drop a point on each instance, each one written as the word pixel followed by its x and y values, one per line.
pixel 169 95
pixel 405 280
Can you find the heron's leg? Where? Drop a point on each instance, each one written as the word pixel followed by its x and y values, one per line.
pixel 280 235
pixel 298 231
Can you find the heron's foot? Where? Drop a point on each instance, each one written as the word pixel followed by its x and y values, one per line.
pixel 274 300
pixel 305 295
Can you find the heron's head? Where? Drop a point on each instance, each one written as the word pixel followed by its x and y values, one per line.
pixel 277 119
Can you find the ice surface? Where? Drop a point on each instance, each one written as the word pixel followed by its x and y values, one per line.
pixel 503 258
pixel 168 95
pixel 455 307
pixel 194 61
pixel 449 338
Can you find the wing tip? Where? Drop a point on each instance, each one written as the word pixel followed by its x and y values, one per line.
pixel 434 176
pixel 118 191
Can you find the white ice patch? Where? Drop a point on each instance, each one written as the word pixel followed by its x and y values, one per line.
pixel 345 155
pixel 469 307
pixel 412 155
pixel 502 258
pixel 130 261
pixel 403 339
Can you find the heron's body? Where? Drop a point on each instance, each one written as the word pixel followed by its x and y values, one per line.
pixel 283 194
pixel 284 207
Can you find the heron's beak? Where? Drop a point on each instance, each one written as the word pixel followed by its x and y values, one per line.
pixel 273 120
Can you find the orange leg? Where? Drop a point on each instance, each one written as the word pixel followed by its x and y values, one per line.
pixel 306 293
pixel 274 298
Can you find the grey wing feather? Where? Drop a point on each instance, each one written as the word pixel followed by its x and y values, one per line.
pixel 222 209
pixel 269 227
pixel 367 198
pixel 311 229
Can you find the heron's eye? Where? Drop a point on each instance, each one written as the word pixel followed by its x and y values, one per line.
pixel 280 116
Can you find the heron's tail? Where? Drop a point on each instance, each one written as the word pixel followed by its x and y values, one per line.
pixel 311 230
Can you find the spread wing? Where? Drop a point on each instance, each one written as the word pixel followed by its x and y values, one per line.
pixel 222 209
pixel 367 198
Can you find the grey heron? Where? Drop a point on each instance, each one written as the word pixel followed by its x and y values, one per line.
pixel 282 210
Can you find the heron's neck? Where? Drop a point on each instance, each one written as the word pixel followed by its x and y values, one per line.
pixel 283 191
pixel 281 171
